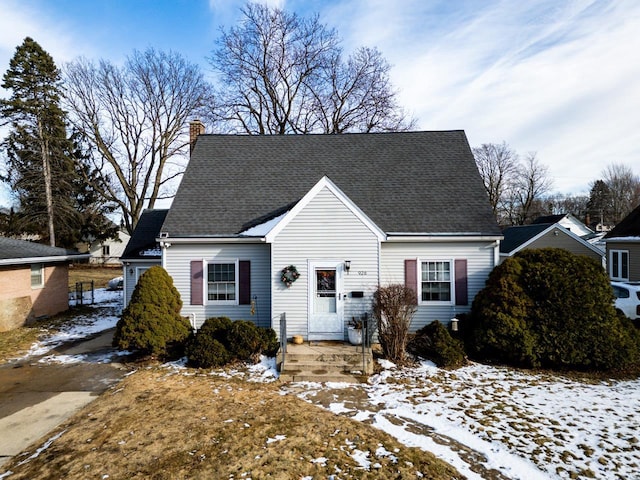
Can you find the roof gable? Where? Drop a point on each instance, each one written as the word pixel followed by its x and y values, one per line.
pixel 520 237
pixel 317 188
pixel 629 226
pixel 406 182
pixel 142 243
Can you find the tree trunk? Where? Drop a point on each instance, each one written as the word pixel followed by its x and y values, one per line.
pixel 46 172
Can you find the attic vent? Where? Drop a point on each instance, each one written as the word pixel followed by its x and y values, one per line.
pixel 164 234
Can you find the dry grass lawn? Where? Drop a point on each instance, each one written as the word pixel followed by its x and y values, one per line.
pixel 99 274
pixel 158 424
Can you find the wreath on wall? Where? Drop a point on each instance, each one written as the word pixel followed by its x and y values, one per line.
pixel 289 274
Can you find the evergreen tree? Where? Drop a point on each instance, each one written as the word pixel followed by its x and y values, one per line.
pixel 45 167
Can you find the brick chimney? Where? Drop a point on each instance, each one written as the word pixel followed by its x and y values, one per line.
pixel 196 127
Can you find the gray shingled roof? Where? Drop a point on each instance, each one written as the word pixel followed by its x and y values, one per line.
pixel 517 235
pixel 13 251
pixel 629 226
pixel 410 182
pixel 145 234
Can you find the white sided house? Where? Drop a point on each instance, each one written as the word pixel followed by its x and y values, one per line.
pixel 348 212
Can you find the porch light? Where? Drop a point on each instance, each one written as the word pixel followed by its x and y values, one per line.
pixel 347 265
pixel 454 324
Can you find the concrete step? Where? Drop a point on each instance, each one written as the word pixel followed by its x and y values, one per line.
pixel 319 375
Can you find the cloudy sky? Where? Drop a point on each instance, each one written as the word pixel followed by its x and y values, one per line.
pixel 560 78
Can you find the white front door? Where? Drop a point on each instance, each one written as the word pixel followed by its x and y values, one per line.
pixel 325 300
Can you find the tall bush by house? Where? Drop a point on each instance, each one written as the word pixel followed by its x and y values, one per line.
pixel 152 323
pixel 393 309
pixel 549 308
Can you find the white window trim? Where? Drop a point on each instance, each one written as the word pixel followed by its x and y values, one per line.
pixel 218 261
pixel 41 284
pixel 452 282
pixel 611 273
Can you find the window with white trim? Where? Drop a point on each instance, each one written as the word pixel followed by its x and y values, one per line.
pixel 436 281
pixel 619 264
pixel 37 275
pixel 222 284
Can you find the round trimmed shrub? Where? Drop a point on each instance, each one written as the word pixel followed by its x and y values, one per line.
pixel 245 340
pixel 434 343
pixel 550 308
pixel 152 323
pixel 207 347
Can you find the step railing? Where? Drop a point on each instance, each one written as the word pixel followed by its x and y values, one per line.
pixel 283 337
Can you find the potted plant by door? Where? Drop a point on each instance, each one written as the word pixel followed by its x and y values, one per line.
pixel 354 329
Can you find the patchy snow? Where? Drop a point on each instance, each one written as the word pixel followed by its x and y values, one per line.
pixel 110 304
pixel 525 425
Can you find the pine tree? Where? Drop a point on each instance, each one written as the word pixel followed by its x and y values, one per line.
pixel 45 166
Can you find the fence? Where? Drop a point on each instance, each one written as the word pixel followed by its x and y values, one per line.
pixel 82 295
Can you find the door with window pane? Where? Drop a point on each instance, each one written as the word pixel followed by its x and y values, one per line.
pixel 325 301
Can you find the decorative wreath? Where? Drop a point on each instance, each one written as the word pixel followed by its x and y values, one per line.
pixel 289 275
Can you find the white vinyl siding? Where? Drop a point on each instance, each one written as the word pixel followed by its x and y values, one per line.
pixel 178 259
pixel 480 261
pixel 132 271
pixel 326 229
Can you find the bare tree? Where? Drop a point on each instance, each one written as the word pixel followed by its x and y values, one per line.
pixel 280 73
pixel 135 118
pixel 498 165
pixel 624 190
pixel 530 184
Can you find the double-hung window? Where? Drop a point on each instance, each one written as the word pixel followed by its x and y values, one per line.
pixel 222 284
pixel 37 275
pixel 436 283
pixel 619 264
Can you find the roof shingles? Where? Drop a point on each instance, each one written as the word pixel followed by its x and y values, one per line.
pixel 409 182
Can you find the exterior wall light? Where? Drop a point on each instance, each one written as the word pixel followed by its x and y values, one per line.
pixel 347 265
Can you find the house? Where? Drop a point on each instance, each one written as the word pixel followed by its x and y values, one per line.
pixel 623 248
pixel 108 252
pixel 34 281
pixel 310 225
pixel 546 235
pixel 142 251
pixel 567 221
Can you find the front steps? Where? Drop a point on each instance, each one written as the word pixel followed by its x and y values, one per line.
pixel 325 362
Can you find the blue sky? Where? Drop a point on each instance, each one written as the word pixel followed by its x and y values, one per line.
pixel 560 78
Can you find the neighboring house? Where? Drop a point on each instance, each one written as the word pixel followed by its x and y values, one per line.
pixel 108 252
pixel 567 221
pixel 546 235
pixel 350 212
pixel 623 249
pixel 142 251
pixel 34 281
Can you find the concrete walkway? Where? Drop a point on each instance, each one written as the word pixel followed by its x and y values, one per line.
pixel 36 397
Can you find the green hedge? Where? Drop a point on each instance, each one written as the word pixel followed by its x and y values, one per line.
pixel 220 341
pixel 435 343
pixel 549 308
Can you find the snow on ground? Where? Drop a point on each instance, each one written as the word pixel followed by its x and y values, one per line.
pixel 524 425
pixel 107 305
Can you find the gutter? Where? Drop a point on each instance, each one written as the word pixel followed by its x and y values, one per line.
pixel 53 259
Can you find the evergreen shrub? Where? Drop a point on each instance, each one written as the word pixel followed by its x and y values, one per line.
pixel 435 343
pixel 553 309
pixel 220 341
pixel 152 323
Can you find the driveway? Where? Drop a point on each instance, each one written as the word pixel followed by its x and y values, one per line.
pixel 39 393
